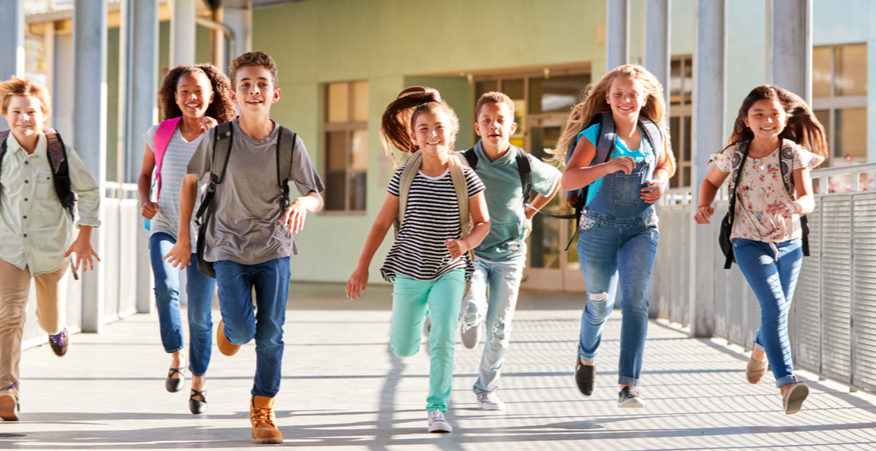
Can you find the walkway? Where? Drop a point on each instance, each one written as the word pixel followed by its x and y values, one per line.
pixel 343 389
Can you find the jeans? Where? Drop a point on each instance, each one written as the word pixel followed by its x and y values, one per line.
pixel 199 289
pixel 614 249
pixel 410 298
pixel 492 297
pixel 773 277
pixel 241 321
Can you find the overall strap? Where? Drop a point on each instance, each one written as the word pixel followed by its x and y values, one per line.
pixel 222 138
pixel 740 153
pixel 285 147
pixel 163 135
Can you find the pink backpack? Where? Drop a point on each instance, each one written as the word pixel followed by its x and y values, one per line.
pixel 162 139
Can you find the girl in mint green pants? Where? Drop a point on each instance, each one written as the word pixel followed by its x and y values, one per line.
pixel 431 197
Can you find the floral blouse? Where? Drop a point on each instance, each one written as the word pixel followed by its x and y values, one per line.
pixel 760 184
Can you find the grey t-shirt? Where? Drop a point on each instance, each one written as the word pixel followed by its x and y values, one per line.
pixel 246 227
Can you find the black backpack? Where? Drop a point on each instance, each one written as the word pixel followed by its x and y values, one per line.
pixel 222 140
pixel 57 154
pixel 523 168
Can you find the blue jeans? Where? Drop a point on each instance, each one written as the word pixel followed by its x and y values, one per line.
pixel 410 297
pixel 492 297
pixel 241 321
pixel 614 249
pixel 773 278
pixel 199 289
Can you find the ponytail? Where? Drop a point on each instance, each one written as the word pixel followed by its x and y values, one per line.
pixel 399 116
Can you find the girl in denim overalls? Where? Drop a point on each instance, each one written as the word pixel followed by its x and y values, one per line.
pixel 617 240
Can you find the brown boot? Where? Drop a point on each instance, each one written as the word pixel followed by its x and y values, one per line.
pixel 261 415
pixel 225 346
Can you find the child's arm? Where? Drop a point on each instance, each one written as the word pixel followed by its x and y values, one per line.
pixel 295 214
pixel 480 219
pixel 805 202
pixel 537 204
pixel 181 253
pixel 662 172
pixel 714 179
pixel 579 173
pixel 82 248
pixel 359 278
pixel 144 184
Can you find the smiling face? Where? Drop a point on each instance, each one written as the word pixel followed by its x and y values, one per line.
pixel 194 94
pixel 495 125
pixel 254 91
pixel 626 97
pixel 433 132
pixel 766 118
pixel 26 117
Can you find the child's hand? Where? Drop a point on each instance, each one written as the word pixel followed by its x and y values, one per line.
pixel 294 216
pixel 180 255
pixel 704 212
pixel 456 248
pixel 622 164
pixel 148 210
pixel 652 192
pixel 784 207
pixel 207 123
pixel 84 252
pixel 356 284
pixel 528 227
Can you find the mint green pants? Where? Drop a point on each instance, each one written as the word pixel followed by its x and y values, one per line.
pixel 410 298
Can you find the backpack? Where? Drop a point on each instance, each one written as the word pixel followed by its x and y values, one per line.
pixel 523 168
pixel 163 135
pixel 222 140
pixel 56 152
pixel 604 145
pixel 786 163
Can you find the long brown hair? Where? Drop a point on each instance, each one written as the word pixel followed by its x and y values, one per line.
pixel 221 108
pixel 398 119
pixel 803 126
pixel 594 103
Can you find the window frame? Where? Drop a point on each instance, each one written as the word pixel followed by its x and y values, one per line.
pixel 348 129
pixel 833 103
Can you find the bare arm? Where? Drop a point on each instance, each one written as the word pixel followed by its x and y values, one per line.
pixel 359 278
pixel 144 184
pixel 805 202
pixel 714 179
pixel 181 252
pixel 578 173
pixel 480 227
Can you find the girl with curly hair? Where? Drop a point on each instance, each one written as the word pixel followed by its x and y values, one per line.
pixel 193 99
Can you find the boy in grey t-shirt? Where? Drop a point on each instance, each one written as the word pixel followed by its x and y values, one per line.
pixel 249 238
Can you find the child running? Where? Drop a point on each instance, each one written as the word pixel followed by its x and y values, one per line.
pixel 40 180
pixel 428 263
pixel 193 99
pixel 776 140
pixel 625 173
pixel 508 173
pixel 249 238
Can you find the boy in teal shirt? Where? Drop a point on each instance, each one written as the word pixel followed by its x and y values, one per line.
pixel 501 257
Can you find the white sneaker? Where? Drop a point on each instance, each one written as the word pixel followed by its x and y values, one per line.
pixel 490 401
pixel 437 422
pixel 470 335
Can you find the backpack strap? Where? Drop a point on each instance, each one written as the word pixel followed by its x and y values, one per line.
pixel 524 169
pixel 285 148
pixel 163 135
pixel 461 188
pixel 412 166
pixel 653 134
pixel 222 138
pixel 3 135
pixel 471 157
pixel 740 153
pixel 786 164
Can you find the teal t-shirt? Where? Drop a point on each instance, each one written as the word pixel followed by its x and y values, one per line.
pixel 504 195
pixel 643 153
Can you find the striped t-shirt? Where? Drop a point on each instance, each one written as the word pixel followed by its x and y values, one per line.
pixel 173 168
pixel 431 217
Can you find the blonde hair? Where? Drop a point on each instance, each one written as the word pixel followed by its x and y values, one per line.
pixel 398 119
pixel 594 103
pixel 17 87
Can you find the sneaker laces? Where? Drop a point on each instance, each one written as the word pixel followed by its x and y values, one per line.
pixel 261 417
pixel 10 387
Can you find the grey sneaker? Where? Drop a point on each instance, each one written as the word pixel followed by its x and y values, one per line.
pixel 629 398
pixel 470 335
pixel 437 422
pixel 490 401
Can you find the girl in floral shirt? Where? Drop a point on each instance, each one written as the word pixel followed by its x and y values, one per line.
pixel 773 126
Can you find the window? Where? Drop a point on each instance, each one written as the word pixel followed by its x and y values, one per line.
pixel 680 96
pixel 839 100
pixel 346 145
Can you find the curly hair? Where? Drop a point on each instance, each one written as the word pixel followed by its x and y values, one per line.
pixel 221 109
pixel 398 119
pixel 18 87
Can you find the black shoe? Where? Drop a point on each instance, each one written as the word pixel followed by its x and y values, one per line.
pixel 198 406
pixel 628 397
pixel 584 375
pixel 59 342
pixel 174 384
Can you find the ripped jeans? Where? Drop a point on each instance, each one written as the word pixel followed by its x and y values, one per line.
pixel 613 250
pixel 492 298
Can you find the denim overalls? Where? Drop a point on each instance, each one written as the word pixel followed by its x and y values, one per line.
pixel 618 238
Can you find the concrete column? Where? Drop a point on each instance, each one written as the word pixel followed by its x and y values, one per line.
pixel 182 32
pixel 709 61
pixel 617 33
pixel 89 121
pixel 139 111
pixel 657 53
pixel 12 35
pixel 237 15
pixel 789 55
